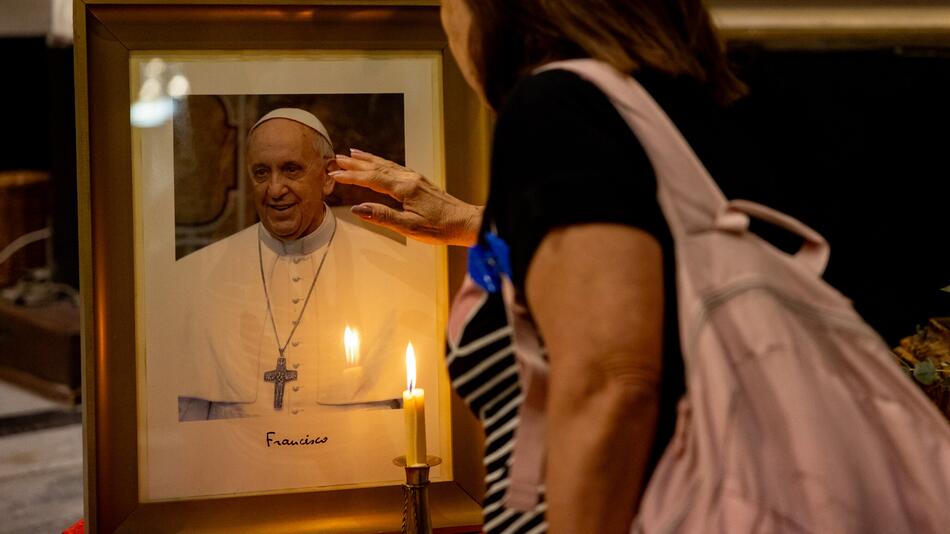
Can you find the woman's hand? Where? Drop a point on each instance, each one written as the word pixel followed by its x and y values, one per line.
pixel 428 214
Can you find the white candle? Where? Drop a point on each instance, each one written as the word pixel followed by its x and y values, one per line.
pixel 352 371
pixel 413 405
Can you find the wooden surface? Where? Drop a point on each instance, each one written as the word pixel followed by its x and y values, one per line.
pixel 39 348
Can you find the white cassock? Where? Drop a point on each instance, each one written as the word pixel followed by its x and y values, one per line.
pixel 228 341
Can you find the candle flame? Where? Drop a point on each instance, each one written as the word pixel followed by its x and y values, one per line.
pixel 410 367
pixel 351 344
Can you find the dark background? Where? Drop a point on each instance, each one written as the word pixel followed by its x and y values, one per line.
pixel 854 143
pixel 38 133
pixel 857 145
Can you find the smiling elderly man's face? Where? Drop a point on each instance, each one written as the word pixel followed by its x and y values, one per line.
pixel 289 175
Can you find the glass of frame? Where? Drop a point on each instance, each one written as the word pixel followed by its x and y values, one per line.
pixel 206 311
pixel 183 428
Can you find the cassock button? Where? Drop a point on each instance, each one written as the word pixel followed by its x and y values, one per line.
pixel 295 343
pixel 296 388
pixel 297 260
pixel 296 365
pixel 296 279
pixel 294 411
pixel 296 300
pixel 295 322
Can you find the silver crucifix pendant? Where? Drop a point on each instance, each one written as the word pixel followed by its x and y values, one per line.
pixel 279 377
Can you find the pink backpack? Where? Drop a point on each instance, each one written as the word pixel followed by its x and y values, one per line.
pixel 796 417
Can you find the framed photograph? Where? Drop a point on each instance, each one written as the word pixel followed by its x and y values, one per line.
pixel 225 294
pixel 246 337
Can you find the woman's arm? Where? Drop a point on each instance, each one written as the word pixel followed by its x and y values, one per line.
pixel 596 293
pixel 428 214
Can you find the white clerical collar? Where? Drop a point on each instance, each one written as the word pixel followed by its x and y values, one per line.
pixel 307 244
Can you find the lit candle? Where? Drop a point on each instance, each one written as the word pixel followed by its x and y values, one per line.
pixel 413 405
pixel 352 371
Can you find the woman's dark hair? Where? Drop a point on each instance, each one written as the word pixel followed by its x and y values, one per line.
pixel 671 37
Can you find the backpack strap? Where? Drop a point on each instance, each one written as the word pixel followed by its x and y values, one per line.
pixel 468 300
pixel 527 458
pixel 489 271
pixel 815 251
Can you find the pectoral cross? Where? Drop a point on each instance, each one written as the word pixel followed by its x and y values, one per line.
pixel 279 377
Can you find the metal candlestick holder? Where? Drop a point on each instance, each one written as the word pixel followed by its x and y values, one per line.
pixel 415 510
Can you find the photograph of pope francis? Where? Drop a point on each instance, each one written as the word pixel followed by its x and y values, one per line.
pixel 298 313
pixel 272 322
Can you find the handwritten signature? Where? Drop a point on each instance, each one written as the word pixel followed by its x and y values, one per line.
pixel 271 439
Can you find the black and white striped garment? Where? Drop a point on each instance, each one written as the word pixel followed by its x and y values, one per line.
pixel 484 372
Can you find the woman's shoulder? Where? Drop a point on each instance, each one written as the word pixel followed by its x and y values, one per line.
pixel 570 93
pixel 556 106
pixel 555 94
pixel 552 84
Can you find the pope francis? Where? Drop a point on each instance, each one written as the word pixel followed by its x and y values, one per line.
pixel 263 326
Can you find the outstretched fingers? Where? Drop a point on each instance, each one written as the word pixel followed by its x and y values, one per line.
pixel 400 221
pixel 365 174
pixel 360 155
pixel 428 214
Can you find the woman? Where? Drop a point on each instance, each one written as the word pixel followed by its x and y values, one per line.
pixel 574 196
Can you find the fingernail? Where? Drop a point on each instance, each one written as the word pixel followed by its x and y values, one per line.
pixel 335 173
pixel 362 211
pixel 356 151
pixel 341 156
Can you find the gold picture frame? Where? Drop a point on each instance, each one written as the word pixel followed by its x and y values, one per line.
pixel 833 24
pixel 108 35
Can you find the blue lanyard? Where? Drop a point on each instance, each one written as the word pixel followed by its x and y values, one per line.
pixel 488 261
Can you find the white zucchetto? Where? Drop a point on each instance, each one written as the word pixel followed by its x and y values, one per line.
pixel 297 115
